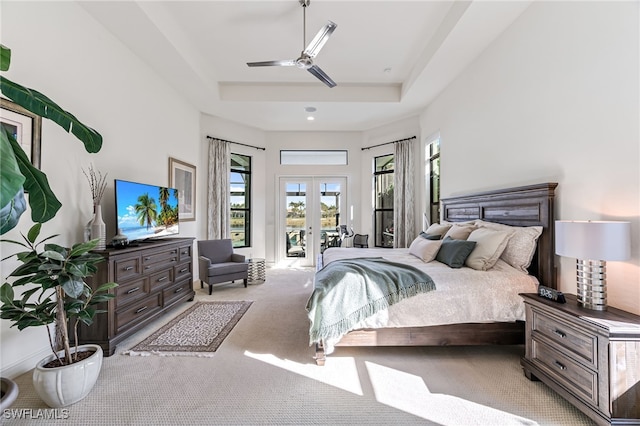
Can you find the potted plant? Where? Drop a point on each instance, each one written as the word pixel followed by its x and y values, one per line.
pixel 19 176
pixel 58 295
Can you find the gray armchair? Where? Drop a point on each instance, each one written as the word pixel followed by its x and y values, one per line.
pixel 217 263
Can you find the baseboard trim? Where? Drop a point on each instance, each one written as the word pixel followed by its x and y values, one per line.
pixel 24 365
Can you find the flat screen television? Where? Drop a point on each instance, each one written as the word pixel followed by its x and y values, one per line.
pixel 146 211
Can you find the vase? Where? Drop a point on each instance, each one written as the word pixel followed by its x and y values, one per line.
pixel 119 240
pixel 87 227
pixel 66 385
pixel 99 228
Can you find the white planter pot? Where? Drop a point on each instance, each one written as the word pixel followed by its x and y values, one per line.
pixel 9 392
pixel 66 385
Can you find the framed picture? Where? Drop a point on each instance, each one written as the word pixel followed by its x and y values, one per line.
pixel 25 126
pixel 182 176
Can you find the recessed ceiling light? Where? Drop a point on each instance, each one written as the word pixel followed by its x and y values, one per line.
pixel 387 70
pixel 310 118
pixel 310 109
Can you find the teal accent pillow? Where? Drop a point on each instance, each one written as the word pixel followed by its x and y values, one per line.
pixel 430 236
pixel 454 252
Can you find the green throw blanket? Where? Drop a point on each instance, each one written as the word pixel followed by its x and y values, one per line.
pixel 349 290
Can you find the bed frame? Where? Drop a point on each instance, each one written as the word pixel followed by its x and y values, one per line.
pixel 531 205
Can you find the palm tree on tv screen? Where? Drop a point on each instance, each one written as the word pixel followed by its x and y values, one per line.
pixel 163 197
pixel 168 216
pixel 147 210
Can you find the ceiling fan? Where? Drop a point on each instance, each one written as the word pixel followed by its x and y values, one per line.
pixel 305 61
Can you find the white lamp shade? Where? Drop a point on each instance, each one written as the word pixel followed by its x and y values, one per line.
pixel 593 240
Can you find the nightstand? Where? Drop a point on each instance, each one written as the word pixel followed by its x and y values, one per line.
pixel 591 358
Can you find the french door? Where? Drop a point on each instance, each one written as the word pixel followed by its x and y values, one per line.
pixel 311 207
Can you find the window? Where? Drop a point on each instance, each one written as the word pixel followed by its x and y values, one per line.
pixel 240 183
pixel 433 158
pixel 383 209
pixel 312 157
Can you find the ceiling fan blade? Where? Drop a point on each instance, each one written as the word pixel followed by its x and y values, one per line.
pixel 320 75
pixel 283 63
pixel 320 39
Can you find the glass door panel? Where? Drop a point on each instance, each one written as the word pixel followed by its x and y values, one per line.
pixel 311 211
pixel 331 195
pixel 296 203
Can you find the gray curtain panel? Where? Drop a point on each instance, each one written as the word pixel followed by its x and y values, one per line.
pixel 403 195
pixel 218 211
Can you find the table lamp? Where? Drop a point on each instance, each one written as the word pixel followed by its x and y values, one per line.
pixel 592 243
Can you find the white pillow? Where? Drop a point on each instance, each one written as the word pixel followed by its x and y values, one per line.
pixel 459 232
pixel 521 246
pixel 438 229
pixel 489 246
pixel 425 250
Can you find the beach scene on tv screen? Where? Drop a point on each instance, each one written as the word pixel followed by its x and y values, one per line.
pixel 146 211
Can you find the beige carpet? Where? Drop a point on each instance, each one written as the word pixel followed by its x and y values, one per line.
pixel 264 373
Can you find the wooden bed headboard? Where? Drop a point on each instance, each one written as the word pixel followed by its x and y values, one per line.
pixel 531 205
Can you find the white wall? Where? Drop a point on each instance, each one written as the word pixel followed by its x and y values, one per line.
pixel 61 51
pixel 554 99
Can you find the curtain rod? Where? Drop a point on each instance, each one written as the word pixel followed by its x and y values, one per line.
pixel 387 143
pixel 237 143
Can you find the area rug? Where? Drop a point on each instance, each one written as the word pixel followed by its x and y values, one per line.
pixel 198 331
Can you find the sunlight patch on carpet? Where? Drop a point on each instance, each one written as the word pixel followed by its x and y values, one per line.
pixel 341 372
pixel 409 393
pixel 198 331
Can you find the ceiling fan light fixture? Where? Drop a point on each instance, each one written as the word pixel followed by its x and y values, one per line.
pixel 305 61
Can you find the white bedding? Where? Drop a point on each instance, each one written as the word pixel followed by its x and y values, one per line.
pixel 462 295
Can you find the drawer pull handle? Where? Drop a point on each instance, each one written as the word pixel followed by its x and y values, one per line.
pixel 133 290
pixel 559 365
pixel 184 270
pixel 144 308
pixel 128 268
pixel 162 279
pixel 174 251
pixel 560 333
pixel 179 290
pixel 147 258
pixel 173 259
pixel 184 252
pixel 147 267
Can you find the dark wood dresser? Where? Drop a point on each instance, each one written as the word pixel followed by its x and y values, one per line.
pixel 152 277
pixel 591 358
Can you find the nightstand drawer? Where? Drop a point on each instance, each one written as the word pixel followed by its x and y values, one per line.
pixel 575 377
pixel 565 335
